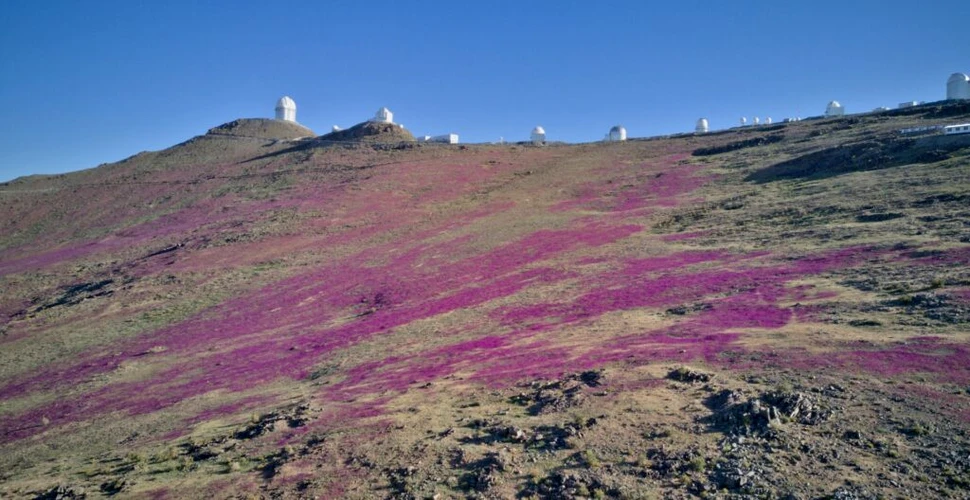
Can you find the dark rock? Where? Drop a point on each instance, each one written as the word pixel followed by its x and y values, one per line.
pixel 61 492
pixel 687 375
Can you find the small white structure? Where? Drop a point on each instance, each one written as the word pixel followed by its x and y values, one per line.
pixel 744 121
pixel 757 120
pixel 834 109
pixel 958 86
pixel 963 128
pixel 538 135
pixel 336 129
pixel 617 133
pixel 880 109
pixel 383 115
pixel 768 121
pixel 908 104
pixel 444 139
pixel 930 129
pixel 702 126
pixel 286 109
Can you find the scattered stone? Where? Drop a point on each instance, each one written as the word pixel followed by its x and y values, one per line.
pixel 113 486
pixel 61 492
pixel 296 416
pixel 689 376
pixel 568 485
pixel 559 395
pixel 763 415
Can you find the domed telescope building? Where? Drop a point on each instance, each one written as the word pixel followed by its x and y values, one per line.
pixel 383 115
pixel 958 86
pixel 538 135
pixel 286 109
pixel 617 133
pixel 834 109
pixel 702 126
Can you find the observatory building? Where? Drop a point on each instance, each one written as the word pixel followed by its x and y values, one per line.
pixel 383 115
pixel 286 109
pixel 702 126
pixel 744 121
pixel 538 135
pixel 834 109
pixel 617 133
pixel 958 86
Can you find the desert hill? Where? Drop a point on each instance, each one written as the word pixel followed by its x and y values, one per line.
pixel 371 132
pixel 776 311
pixel 262 128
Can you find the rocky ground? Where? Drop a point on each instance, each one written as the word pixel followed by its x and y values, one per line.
pixel 768 312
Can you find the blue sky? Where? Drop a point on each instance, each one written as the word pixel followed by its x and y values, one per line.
pixel 83 83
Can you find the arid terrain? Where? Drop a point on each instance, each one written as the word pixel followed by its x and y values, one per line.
pixel 778 311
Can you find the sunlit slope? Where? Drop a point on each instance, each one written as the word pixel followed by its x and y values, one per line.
pixel 320 315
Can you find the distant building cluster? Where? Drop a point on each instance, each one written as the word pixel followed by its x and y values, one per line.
pixel 957 87
pixel 286 111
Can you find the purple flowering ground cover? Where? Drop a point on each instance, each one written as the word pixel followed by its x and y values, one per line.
pixel 235 317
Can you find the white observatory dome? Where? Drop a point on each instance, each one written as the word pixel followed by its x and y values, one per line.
pixel 538 135
pixel 768 121
pixel 958 86
pixel 702 126
pixel 286 109
pixel 384 115
pixel 834 109
pixel 617 133
pixel 744 121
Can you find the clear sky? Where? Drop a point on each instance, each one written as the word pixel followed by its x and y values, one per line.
pixel 83 83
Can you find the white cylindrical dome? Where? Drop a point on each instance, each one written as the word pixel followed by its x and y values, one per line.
pixel 744 121
pixel 617 133
pixel 768 121
pixel 286 109
pixel 834 109
pixel 958 86
pixel 335 129
pixel 757 120
pixel 538 135
pixel 702 126
pixel 384 115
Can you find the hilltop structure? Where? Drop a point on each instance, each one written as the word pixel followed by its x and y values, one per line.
pixel 286 109
pixel 617 133
pixel 383 115
pixel 744 121
pixel 958 86
pixel 442 139
pixel 538 135
pixel 834 109
pixel 702 126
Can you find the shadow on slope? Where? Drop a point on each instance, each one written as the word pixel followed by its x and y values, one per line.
pixel 868 155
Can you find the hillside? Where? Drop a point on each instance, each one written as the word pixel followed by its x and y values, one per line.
pixel 771 312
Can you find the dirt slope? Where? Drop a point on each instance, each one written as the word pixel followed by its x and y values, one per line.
pixel 766 312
